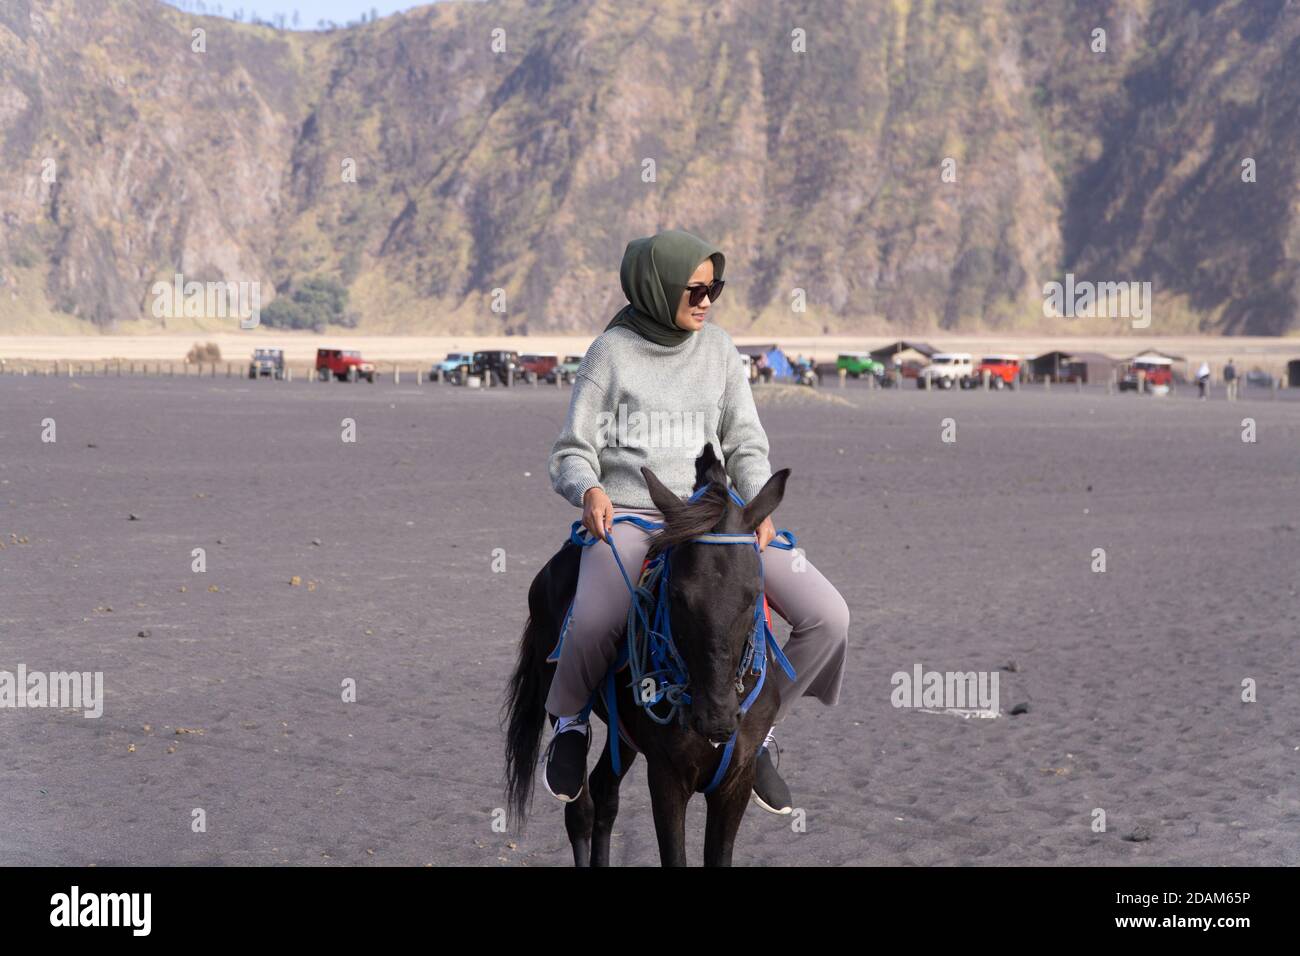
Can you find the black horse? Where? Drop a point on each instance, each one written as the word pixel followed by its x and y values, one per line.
pixel 712 592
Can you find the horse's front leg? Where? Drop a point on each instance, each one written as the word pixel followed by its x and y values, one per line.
pixel 604 792
pixel 578 817
pixel 727 807
pixel 668 797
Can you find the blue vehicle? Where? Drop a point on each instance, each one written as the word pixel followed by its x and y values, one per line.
pixel 451 363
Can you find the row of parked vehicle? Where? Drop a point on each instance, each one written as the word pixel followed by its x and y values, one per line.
pixel 347 365
pixel 944 370
pixel 504 365
pixel 342 364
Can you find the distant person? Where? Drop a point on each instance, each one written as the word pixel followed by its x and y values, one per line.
pixel 659 352
pixel 1230 380
pixel 1203 378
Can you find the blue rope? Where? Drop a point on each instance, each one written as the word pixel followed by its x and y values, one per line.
pixel 651 652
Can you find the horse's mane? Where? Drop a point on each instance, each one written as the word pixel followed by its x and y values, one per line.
pixel 693 518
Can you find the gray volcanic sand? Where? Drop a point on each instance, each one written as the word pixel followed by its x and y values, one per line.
pixel 965 556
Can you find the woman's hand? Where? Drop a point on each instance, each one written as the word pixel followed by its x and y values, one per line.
pixel 766 532
pixel 597 512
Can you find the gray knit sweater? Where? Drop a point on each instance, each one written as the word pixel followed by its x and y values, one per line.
pixel 638 404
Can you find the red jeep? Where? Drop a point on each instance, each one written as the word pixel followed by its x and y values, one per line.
pixel 539 364
pixel 343 365
pixel 1155 373
pixel 1003 371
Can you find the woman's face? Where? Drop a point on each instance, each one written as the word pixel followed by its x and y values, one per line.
pixel 692 318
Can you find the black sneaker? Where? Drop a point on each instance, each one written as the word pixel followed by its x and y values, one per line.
pixel 566 763
pixel 770 791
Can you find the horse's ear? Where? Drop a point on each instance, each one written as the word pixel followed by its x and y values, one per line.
pixel 765 502
pixel 667 502
pixel 708 468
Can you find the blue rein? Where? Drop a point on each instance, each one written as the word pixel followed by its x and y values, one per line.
pixel 651 653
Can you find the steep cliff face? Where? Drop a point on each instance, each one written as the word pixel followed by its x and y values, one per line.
pixel 1212 103
pixel 470 155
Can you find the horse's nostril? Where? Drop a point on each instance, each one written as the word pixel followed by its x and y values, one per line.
pixel 714 732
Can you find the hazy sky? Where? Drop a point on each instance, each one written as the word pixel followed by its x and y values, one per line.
pixel 309 11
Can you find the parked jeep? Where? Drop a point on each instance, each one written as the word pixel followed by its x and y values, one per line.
pixel 539 364
pixel 1155 373
pixel 346 366
pixel 451 363
pixel 946 370
pixel 496 363
pixel 267 362
pixel 566 371
pixel 858 364
pixel 1003 371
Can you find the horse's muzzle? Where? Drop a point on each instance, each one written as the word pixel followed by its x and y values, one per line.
pixel 715 731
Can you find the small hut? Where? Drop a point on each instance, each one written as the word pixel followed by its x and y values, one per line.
pixel 906 356
pixel 1071 367
pixel 887 353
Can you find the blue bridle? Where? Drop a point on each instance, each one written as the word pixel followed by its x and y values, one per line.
pixel 651 653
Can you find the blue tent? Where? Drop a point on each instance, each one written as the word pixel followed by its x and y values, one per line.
pixel 779 364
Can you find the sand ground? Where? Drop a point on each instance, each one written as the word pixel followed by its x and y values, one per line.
pixel 974 555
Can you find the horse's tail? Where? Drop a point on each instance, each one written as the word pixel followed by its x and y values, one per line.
pixel 525 715
pixel 524 711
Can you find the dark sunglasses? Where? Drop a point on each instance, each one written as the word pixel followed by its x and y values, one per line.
pixel 698 292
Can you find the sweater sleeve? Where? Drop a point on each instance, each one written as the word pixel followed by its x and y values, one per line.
pixel 744 443
pixel 574 465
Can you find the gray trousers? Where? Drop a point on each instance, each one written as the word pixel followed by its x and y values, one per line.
pixel 815 610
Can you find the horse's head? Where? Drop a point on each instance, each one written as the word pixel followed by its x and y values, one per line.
pixel 712 588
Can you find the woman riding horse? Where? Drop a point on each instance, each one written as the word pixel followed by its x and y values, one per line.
pixel 659 361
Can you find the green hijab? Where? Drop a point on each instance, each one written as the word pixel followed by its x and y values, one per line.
pixel 655 273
